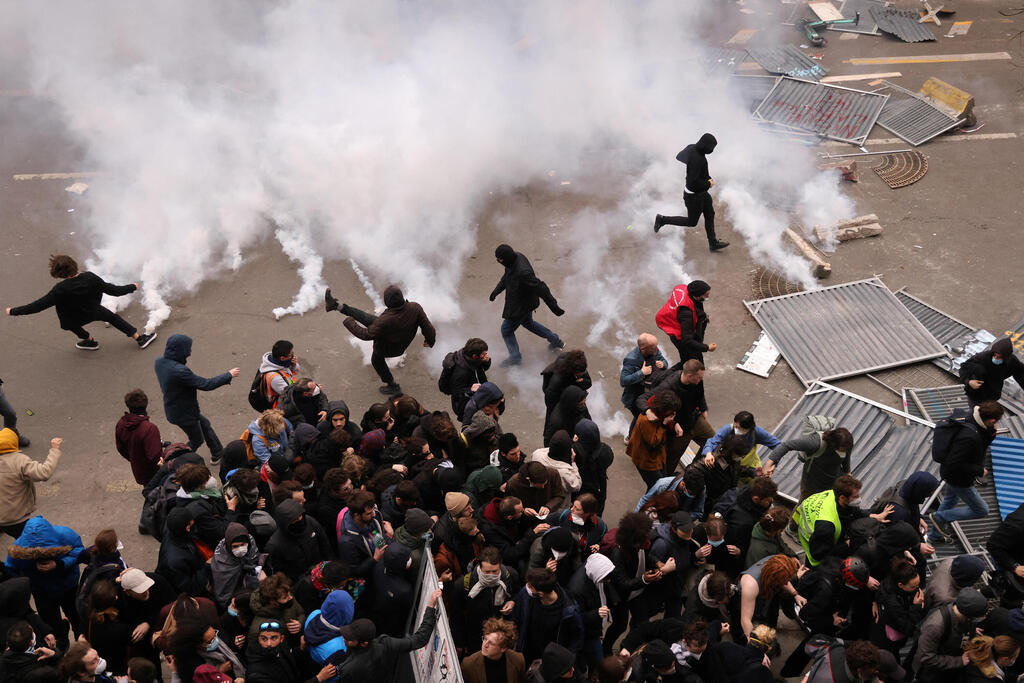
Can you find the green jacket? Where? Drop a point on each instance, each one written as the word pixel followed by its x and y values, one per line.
pixel 762 546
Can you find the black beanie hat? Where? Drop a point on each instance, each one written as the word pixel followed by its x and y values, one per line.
pixel 505 253
pixel 698 288
pixel 658 654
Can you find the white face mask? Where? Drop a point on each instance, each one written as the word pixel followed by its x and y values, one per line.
pixel 855 502
pixel 101 666
pixel 120 546
pixel 576 519
pixel 739 432
pixel 241 551
pixel 489 580
pixel 559 554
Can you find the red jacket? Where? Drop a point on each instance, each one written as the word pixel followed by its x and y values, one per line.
pixel 667 319
pixel 138 442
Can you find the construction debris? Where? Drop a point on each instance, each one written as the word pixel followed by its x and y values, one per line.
pixel 761 357
pixel 822 268
pixel 959 103
pixel 917 118
pixel 902 23
pixel 849 229
pixel 900 169
pixel 830 111
pixel 766 283
pixel 847 169
pixel 787 60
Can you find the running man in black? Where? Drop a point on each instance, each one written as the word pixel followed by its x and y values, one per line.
pixel 695 192
pixel 77 298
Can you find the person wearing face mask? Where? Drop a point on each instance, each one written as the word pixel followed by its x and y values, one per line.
pixel 484 592
pixel 299 542
pixel 824 450
pixel 962 464
pixel 273 601
pixel 636 572
pixel 899 607
pixel 940 655
pixel 688 487
pixel 201 492
pixel 674 546
pixel 234 565
pixel 322 629
pixel 25 660
pixel 820 519
pixel 835 605
pixel 558 551
pixel 725 471
pixel 983 374
pixel 82 664
pixel 743 426
pixel 234 623
pixel 392 590
pixel 582 522
pixel 683 319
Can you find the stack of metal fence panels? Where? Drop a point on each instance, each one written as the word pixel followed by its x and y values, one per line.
pixel 912 117
pixel 827 110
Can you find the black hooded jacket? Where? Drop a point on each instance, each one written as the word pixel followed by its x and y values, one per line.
pixel 523 290
pixel 77 299
pixel 392 590
pixel 465 374
pixel 294 550
pixel 980 367
pixel 14 607
pixel 395 328
pixel 566 413
pixel 695 157
pixel 180 561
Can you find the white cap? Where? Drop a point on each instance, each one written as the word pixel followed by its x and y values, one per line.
pixel 136 581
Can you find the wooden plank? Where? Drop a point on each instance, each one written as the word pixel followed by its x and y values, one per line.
pixel 743 36
pixel 861 77
pixel 933 59
pixel 826 11
pixel 822 268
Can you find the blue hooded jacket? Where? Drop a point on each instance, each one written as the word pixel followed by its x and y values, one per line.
pixel 489 392
pixel 179 384
pixel 323 628
pixel 42 541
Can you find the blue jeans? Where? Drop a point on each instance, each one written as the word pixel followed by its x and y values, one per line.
pixel 949 511
pixel 200 431
pixel 508 333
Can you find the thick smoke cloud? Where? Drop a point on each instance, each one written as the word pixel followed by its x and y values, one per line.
pixel 373 133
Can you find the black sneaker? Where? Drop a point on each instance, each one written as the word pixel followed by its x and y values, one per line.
pixel 330 303
pixel 145 340
pixel 390 389
pixel 510 362
pixel 718 245
pixel 215 457
pixel 88 345
pixel 556 345
pixel 659 221
pixel 942 527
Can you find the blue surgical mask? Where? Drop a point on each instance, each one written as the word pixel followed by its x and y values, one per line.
pixel 232 611
pixel 688 494
pixel 715 544
pixel 213 644
pixel 997 361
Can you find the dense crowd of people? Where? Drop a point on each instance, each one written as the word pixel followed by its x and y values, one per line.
pixel 295 552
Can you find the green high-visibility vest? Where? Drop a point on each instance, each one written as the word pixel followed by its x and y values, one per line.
pixel 818 506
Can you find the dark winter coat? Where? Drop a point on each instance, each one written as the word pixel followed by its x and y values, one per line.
pixel 913 493
pixel 138 441
pixel 552 495
pixel 392 590
pixel 294 551
pixel 632 378
pixel 980 367
pixel 740 520
pixel 351 427
pixel 15 594
pixel 1004 545
pixel 554 383
pixel 939 652
pixel 297 408
pixel 896 609
pixel 567 413
pixel 488 393
pixel 395 328
pixel 356 545
pixel 469 614
pixel 523 290
pixel 690 395
pixel 464 375
pixel 77 299
pixel 24 667
pixel 179 384
pixel 695 157
pixel 539 624
pixel 282 666
pixel 593 458
pixel 588 599
pixel 691 337
pixel 180 561
pixel 326 511
pixel 513 539
pixel 665 545
pixel 965 460
pixel 377 661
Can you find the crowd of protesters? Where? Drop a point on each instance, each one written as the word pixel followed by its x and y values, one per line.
pixel 294 552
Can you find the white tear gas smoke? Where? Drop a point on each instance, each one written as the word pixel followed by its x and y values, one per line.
pixel 375 131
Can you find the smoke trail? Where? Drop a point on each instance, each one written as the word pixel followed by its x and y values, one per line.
pixel 375 131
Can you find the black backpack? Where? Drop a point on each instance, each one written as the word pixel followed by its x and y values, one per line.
pixel 945 433
pixel 258 393
pixel 889 496
pixel 156 507
pixel 444 382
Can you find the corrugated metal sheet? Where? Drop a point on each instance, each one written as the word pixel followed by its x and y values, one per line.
pixel 1015 425
pixel 720 59
pixel 866 25
pixel 935 404
pixel 943 326
pixel 912 117
pixel 752 89
pixel 1008 472
pixel 844 330
pixel 827 110
pixel 902 23
pixel 883 453
pixel 789 61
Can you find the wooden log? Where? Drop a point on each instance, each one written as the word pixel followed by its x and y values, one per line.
pixel 822 268
pixel 850 232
